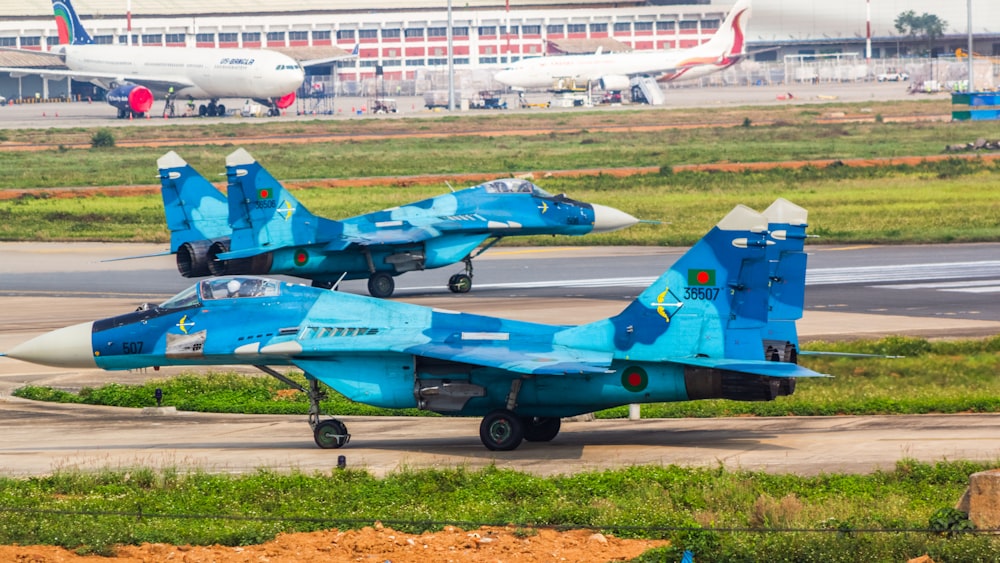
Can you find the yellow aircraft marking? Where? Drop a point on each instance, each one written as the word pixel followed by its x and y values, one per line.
pixel 286 210
pixel 659 299
pixel 544 207
pixel 183 324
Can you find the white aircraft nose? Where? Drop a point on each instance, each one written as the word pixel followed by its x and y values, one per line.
pixel 69 347
pixel 607 219
pixel 504 77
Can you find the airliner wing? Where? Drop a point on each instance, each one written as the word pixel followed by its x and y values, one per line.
pixel 316 62
pixel 155 83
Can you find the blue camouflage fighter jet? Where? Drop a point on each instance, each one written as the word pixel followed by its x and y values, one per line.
pixel 260 228
pixel 720 323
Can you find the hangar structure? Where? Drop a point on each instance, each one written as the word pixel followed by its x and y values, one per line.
pixel 407 40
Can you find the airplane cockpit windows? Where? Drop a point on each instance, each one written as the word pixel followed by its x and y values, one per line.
pixel 239 287
pixel 512 186
pixel 183 300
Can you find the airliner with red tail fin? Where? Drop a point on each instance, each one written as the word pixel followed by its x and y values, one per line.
pixel 615 71
pixel 136 75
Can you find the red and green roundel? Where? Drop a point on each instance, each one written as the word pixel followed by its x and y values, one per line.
pixel 701 278
pixel 265 193
pixel 634 379
pixel 300 257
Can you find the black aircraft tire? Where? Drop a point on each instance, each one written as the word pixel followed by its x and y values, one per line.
pixel 541 428
pixel 460 283
pixel 220 111
pixel 331 434
pixel 501 430
pixel 381 285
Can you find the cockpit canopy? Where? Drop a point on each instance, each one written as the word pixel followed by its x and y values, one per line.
pixel 228 287
pixel 512 186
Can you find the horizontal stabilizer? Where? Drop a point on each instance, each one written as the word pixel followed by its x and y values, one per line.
pixel 154 255
pixel 751 367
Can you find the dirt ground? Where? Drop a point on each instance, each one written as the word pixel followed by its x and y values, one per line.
pixel 378 545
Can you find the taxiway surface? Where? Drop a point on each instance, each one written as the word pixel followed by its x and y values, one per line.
pixel 933 290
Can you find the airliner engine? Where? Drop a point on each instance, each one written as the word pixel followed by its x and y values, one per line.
pixel 614 82
pixel 131 100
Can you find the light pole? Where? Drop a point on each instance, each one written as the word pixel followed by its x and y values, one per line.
pixel 971 66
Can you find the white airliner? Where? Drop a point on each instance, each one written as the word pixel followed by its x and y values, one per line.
pixel 134 76
pixel 614 71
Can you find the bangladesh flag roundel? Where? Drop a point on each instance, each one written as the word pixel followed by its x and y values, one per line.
pixel 704 278
pixel 301 257
pixel 265 193
pixel 634 379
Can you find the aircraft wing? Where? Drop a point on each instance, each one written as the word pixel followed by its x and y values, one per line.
pixel 521 357
pixel 404 234
pixel 155 83
pixel 325 61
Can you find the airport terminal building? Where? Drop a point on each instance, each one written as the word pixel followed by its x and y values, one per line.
pixel 405 42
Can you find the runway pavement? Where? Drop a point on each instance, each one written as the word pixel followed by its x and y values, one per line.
pixel 46 286
pixel 99 114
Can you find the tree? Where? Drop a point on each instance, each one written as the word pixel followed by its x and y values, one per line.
pixel 925 25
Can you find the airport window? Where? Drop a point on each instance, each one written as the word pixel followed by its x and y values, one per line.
pixel 302 35
pixel 487 60
pixel 576 28
pixel 532 49
pixel 275 36
pixel 390 34
pixel 205 38
pixel 531 30
pixel 488 30
pixel 511 30
pixel 689 24
pixel 152 39
pixel 555 29
pixel 392 53
pixel 462 60
pixel 437 62
pixel 123 39
pixel 317 35
pixel 8 41
pixel 228 38
pixel 598 28
pixel 438 51
pixel 367 34
pixel 414 62
pixel 414 32
pixel 437 32
pixel 710 24
pixel 251 36
pixel 665 26
pixel 645 26
pixel 31 41
pixel 345 34
pixel 459 32
pixel 368 63
pixel 623 27
pixel 176 38
pixel 55 40
pixel 392 62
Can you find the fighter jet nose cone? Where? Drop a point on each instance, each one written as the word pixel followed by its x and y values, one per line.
pixel 607 219
pixel 69 347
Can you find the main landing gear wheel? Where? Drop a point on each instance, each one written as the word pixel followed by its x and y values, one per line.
pixel 331 434
pixel 460 283
pixel 541 428
pixel 501 430
pixel 381 285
